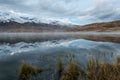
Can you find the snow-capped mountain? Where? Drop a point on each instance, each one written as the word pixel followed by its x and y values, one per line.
pixel 18 22
pixel 11 16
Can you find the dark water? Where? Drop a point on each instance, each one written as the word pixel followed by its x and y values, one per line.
pixel 45 54
pixel 43 50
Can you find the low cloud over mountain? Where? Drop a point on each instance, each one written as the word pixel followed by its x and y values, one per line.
pixel 74 11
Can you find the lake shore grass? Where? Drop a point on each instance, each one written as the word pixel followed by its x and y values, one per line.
pixel 27 71
pixel 94 70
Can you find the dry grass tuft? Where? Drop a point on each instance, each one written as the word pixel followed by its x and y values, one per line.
pixel 94 70
pixel 72 72
pixel 60 67
pixel 102 71
pixel 26 71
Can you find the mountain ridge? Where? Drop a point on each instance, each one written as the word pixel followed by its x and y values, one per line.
pixel 17 17
pixel 99 27
pixel 10 22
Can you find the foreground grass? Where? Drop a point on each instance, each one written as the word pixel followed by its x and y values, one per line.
pixel 71 73
pixel 102 71
pixel 60 67
pixel 27 71
pixel 94 70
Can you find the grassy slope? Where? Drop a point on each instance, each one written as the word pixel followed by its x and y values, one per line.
pixel 42 27
pixel 105 26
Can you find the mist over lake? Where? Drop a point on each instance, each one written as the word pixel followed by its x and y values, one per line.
pixel 46 36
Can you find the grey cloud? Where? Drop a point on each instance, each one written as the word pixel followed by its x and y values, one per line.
pixel 104 10
pixel 56 7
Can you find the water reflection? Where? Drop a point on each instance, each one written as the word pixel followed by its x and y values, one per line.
pixel 45 54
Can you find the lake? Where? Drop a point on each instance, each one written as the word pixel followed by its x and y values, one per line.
pixel 43 50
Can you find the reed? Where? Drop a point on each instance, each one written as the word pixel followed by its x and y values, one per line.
pixel 27 71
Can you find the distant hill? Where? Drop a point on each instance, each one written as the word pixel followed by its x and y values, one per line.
pixel 13 26
pixel 101 27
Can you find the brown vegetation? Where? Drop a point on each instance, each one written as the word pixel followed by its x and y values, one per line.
pixel 72 72
pixel 27 71
pixel 99 27
pixel 94 70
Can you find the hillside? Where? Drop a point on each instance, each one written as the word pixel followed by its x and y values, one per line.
pixel 101 27
pixel 13 26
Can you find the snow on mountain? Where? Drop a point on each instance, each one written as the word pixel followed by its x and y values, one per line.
pixel 22 18
pixel 11 16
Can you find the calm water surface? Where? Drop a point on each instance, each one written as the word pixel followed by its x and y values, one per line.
pixel 45 54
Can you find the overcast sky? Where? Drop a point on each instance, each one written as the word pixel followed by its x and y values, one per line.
pixel 75 11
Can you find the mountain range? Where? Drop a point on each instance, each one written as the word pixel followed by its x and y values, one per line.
pixel 23 18
pixel 11 22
